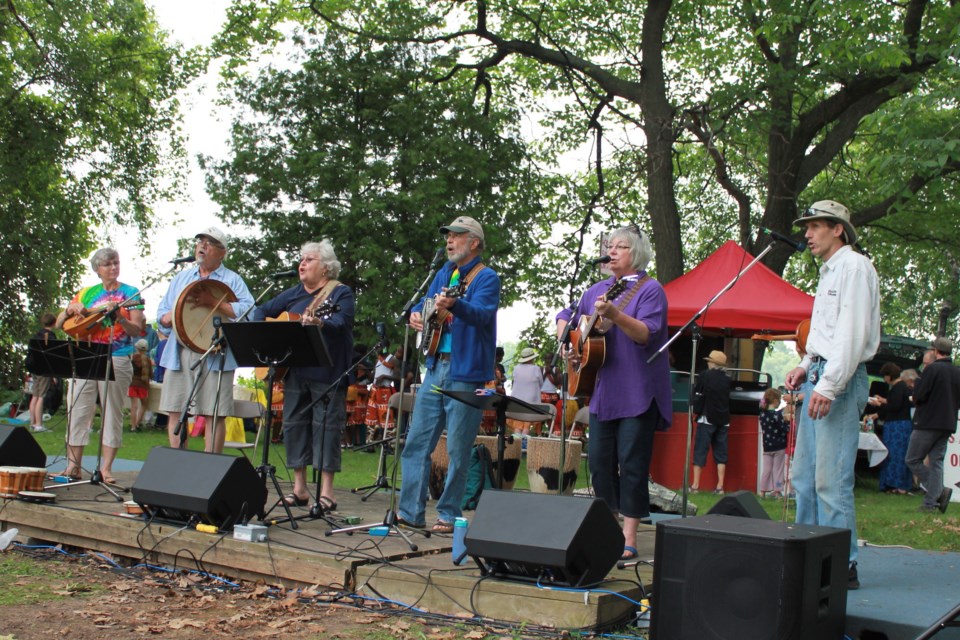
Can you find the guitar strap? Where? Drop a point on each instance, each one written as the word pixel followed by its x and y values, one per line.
pixel 605 325
pixel 473 272
pixel 322 295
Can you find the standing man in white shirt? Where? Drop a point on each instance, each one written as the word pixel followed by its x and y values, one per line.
pixel 844 335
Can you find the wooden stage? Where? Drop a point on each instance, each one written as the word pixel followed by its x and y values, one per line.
pixel 383 567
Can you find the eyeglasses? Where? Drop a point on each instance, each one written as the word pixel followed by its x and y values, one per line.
pixel 455 234
pixel 308 259
pixel 619 247
pixel 210 242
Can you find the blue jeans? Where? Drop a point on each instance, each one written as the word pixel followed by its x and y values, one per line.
pixel 619 458
pixel 433 412
pixel 825 455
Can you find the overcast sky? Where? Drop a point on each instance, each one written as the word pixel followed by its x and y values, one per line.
pixel 206 128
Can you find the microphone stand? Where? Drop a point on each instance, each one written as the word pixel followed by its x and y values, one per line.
pixel 695 330
pixel 391 520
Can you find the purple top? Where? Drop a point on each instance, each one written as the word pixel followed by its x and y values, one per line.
pixel 626 384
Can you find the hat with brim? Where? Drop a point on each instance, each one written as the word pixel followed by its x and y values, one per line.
pixel 214 234
pixel 464 224
pixel 718 358
pixel 527 355
pixel 833 211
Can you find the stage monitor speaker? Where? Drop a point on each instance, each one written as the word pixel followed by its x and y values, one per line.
pixel 722 577
pixel 563 540
pixel 211 488
pixel 18 448
pixel 739 503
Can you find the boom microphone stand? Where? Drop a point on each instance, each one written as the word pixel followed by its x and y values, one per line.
pixel 391 520
pixel 695 330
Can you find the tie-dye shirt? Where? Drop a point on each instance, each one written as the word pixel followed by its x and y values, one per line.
pixel 96 296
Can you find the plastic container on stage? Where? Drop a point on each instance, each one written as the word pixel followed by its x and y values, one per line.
pixel 460 540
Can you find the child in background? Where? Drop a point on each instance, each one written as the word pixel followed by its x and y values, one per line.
pixel 775 430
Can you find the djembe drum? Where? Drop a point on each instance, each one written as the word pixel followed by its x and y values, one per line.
pixel 543 460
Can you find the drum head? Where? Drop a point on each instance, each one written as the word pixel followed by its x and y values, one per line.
pixel 192 323
pixel 37 496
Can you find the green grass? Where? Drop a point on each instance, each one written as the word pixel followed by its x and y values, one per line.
pixel 23 580
pixel 882 519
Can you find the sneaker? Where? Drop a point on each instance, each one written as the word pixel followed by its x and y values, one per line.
pixel 39 428
pixel 853 581
pixel 944 500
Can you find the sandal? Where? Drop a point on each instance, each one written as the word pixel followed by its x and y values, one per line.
pixel 629 553
pixel 74 475
pixel 328 504
pixel 442 527
pixel 293 500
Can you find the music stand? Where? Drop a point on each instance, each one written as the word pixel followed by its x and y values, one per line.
pixel 273 344
pixel 502 403
pixel 79 361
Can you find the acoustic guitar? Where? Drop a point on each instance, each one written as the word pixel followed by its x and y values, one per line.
pixel 81 325
pixel 803 331
pixel 324 310
pixel 435 320
pixel 589 347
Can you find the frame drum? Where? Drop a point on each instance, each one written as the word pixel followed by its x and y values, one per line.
pixel 193 324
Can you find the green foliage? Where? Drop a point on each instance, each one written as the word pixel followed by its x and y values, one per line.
pixel 350 142
pixel 89 135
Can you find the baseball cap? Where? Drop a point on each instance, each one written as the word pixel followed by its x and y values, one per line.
pixel 214 234
pixel 464 224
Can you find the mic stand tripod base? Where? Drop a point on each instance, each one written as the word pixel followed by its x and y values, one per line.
pixel 392 522
pixel 96 479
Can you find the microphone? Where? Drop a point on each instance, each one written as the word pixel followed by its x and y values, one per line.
pixel 184 259
pixel 285 274
pixel 439 257
pixel 382 334
pixel 796 244
pixel 603 260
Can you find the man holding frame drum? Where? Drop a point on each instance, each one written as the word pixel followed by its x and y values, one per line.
pixel 195 297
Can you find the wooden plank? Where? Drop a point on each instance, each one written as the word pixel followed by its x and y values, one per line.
pixel 435 585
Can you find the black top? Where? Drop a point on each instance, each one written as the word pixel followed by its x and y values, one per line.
pixel 712 396
pixel 898 403
pixel 937 396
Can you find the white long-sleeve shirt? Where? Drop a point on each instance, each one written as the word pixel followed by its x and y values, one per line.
pixel 845 326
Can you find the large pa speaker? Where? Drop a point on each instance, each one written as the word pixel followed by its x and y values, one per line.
pixel 210 488
pixel 721 577
pixel 18 448
pixel 739 503
pixel 562 540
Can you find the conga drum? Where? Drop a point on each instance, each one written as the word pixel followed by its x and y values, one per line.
pixel 6 482
pixel 34 479
pixel 193 324
pixel 543 461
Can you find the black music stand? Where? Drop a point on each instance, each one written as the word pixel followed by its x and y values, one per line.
pixel 502 403
pixel 79 361
pixel 275 344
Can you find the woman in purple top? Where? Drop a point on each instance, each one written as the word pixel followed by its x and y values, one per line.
pixel 631 399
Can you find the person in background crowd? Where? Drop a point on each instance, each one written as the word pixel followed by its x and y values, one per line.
pixel 139 388
pixel 41 384
pixel 895 477
pixel 776 432
pixel 712 405
pixel 937 397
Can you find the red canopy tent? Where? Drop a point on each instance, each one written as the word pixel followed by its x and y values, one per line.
pixel 760 302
